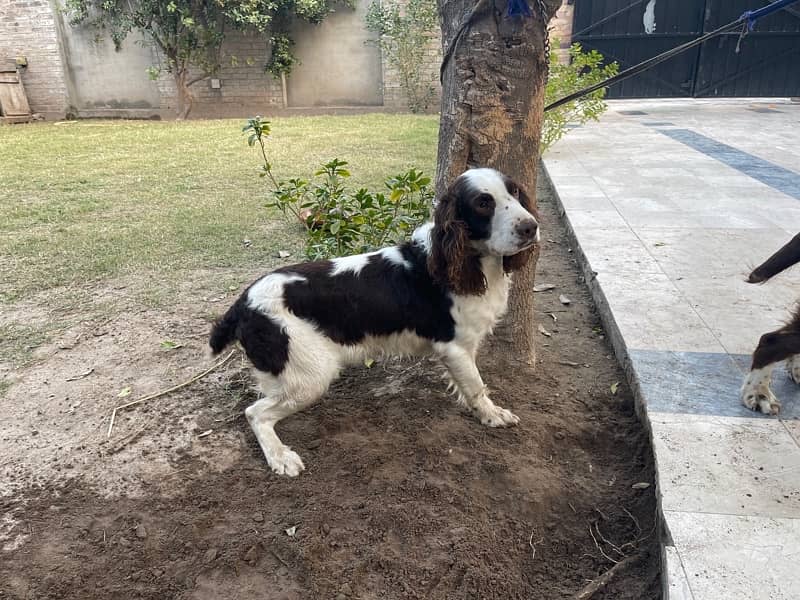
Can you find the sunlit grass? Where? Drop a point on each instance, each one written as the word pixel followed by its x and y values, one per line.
pixel 84 201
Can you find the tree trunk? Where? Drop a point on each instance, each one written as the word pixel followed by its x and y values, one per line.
pixel 492 109
pixel 185 99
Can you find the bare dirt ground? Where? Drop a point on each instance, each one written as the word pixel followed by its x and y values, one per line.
pixel 404 495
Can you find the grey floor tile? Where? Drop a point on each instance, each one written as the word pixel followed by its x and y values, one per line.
pixel 614 251
pixel 653 315
pixel 693 252
pixel 726 465
pixel 690 383
pixel 738 558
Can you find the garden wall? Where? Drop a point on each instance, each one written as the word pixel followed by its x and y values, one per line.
pixel 72 70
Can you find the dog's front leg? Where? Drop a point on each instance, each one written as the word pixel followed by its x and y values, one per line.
pixel 471 390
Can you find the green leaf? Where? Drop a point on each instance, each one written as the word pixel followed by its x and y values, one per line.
pixel 124 392
pixel 614 388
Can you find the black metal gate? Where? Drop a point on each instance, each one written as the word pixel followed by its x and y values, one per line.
pixel 630 31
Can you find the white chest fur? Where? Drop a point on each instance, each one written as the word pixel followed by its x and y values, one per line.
pixel 476 315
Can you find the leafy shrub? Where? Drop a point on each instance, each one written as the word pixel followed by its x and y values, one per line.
pixel 406 32
pixel 584 69
pixel 338 220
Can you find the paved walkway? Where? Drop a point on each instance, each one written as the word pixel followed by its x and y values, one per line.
pixel 672 203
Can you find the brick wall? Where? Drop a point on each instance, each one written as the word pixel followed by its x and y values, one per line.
pixel 246 89
pixel 28 29
pixel 394 97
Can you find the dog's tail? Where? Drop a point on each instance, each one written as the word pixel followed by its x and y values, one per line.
pixel 225 329
pixel 784 258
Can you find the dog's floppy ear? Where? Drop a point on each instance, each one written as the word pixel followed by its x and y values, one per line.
pixel 519 260
pixel 451 263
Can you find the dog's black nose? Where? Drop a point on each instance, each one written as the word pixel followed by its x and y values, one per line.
pixel 526 229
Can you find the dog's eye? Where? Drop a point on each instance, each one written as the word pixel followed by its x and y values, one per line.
pixel 485 201
pixel 514 191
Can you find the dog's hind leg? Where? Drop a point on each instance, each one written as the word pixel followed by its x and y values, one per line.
pixel 278 403
pixel 308 373
pixel 773 347
pixel 464 372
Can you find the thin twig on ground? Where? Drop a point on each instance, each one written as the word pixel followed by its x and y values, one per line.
pixel 600 582
pixel 533 544
pixel 167 391
pixel 283 562
pixel 82 375
pixel 635 521
pixel 128 439
pixel 606 556
pixel 614 547
pixel 601 513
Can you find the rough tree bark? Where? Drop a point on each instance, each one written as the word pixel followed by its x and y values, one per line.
pixel 492 110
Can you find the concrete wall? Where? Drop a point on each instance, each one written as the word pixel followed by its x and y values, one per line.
pixel 71 71
pixel 28 29
pixel 107 82
pixel 338 67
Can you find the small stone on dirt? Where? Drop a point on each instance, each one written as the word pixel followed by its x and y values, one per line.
pixel 345 589
pixel 314 444
pixel 326 529
pixel 564 300
pixel 258 517
pixel 251 555
pixel 284 254
pixel 543 287
pixel 210 555
pixel 141 532
pixel 559 435
pixel 642 485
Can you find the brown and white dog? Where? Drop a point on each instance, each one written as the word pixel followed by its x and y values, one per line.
pixel 439 294
pixel 775 346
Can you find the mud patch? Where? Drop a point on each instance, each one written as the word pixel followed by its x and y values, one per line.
pixel 404 496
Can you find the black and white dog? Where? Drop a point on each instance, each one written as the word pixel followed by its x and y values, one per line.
pixel 438 294
pixel 775 346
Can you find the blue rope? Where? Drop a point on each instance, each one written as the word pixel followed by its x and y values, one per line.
pixel 519 8
pixel 751 16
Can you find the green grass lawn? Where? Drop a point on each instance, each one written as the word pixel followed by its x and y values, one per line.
pixel 85 201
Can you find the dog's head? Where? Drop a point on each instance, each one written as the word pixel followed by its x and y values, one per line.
pixel 482 213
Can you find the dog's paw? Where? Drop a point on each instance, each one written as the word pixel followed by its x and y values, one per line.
pixel 286 462
pixel 496 416
pixel 793 366
pixel 760 399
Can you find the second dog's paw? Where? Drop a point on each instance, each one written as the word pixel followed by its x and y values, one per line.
pixel 761 400
pixel 793 366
